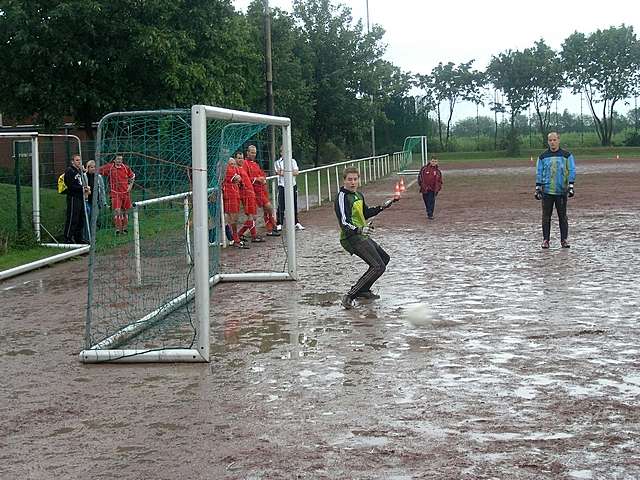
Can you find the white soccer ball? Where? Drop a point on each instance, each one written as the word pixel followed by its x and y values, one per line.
pixel 419 315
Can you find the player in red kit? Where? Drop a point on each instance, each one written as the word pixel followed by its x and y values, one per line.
pixel 248 198
pixel 259 182
pixel 120 179
pixel 231 197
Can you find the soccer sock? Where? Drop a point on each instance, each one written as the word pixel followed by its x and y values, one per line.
pixel 253 231
pixel 245 227
pixel 117 222
pixel 267 221
pixel 125 221
pixel 234 233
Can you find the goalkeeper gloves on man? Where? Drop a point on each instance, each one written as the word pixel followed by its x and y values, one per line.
pixel 571 192
pixel 366 230
pixel 538 193
pixel 387 203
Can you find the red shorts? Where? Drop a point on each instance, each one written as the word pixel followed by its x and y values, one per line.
pixel 231 203
pixel 250 205
pixel 262 197
pixel 120 201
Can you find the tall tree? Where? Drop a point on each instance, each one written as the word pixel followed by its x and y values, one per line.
pixel 547 78
pixel 89 57
pixel 342 63
pixel 452 84
pixel 509 72
pixel 605 65
pixel 291 72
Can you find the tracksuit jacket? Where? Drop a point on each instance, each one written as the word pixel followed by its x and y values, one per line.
pixel 352 212
pixel 555 171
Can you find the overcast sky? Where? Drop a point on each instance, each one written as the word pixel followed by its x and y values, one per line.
pixel 420 33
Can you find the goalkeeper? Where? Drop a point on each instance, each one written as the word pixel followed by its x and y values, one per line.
pixel 555 177
pixel 352 213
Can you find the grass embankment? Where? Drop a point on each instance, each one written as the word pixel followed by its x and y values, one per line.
pixel 580 152
pixel 16 257
pixel 19 247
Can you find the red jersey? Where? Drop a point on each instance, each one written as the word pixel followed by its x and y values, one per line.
pixel 256 174
pixel 229 186
pixel 246 188
pixel 119 177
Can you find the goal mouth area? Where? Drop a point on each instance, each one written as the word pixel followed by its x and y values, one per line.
pixel 149 285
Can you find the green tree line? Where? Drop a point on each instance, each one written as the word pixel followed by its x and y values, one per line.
pixel 86 58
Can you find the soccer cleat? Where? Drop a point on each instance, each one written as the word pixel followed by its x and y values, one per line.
pixel 240 244
pixel 299 226
pixel 369 295
pixel 545 244
pixel 257 240
pixel 430 217
pixel 278 228
pixel 347 302
pixel 273 233
pixel 565 244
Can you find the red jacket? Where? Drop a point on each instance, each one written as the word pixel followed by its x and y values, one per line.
pixel 430 179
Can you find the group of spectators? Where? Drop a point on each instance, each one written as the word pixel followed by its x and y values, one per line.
pixel 82 183
pixel 245 185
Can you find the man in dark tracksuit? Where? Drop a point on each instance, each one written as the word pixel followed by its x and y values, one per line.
pixel 75 220
pixel 555 176
pixel 352 213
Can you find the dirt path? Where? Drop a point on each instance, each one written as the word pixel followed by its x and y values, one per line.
pixel 529 368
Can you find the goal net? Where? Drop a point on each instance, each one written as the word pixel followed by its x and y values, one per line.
pixel 152 264
pixel 30 164
pixel 414 153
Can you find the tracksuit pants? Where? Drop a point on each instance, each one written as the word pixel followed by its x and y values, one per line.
pixel 560 202
pixel 280 212
pixel 375 257
pixel 429 202
pixel 74 221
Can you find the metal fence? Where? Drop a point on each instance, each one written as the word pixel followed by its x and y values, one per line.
pixel 319 184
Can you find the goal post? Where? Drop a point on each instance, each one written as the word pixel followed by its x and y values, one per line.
pixel 43 182
pixel 170 294
pixel 414 144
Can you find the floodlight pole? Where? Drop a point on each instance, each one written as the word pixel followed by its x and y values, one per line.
pixel 269 81
pixel 373 123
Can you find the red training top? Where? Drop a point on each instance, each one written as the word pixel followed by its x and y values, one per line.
pixel 430 179
pixel 256 174
pixel 119 177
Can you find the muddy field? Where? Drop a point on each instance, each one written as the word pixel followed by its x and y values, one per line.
pixel 528 368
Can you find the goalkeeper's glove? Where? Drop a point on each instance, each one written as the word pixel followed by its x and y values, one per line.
pixel 366 230
pixel 236 178
pixel 571 191
pixel 538 193
pixel 387 204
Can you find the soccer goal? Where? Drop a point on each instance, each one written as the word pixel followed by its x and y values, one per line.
pixel 149 287
pixel 47 155
pixel 414 153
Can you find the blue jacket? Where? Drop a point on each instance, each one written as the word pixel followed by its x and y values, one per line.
pixel 555 171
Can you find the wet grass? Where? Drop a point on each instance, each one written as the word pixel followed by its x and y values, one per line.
pixel 14 257
pixel 52 207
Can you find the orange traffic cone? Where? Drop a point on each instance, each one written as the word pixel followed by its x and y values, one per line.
pixel 396 192
pixel 402 189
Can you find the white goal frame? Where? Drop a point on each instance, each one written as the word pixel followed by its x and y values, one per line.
pixel 102 352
